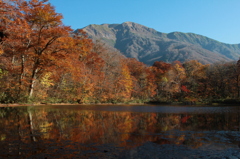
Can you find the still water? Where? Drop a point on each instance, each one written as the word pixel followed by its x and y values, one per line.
pixel 112 131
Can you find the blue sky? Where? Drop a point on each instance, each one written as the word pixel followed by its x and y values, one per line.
pixel 216 19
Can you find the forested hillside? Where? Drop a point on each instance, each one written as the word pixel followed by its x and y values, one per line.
pixel 44 61
pixel 148 45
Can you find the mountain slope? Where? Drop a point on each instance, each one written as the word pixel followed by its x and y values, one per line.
pixel 148 45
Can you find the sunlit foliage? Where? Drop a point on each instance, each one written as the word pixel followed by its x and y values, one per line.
pixel 44 61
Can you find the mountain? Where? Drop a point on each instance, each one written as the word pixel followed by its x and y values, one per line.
pixel 148 45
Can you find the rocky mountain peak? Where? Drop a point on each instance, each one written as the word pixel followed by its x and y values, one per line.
pixel 148 45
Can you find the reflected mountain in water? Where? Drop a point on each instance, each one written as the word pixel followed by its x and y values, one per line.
pixel 112 131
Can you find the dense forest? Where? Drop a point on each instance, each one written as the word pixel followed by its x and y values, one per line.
pixel 44 61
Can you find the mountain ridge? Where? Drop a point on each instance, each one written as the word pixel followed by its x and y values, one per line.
pixel 149 45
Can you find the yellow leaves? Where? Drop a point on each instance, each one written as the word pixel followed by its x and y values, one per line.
pixel 2 73
pixel 180 71
pixel 164 79
pixel 127 78
pixel 2 137
pixel 195 69
pixel 126 82
pixel 46 81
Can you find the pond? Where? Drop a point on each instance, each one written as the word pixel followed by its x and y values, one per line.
pixel 120 131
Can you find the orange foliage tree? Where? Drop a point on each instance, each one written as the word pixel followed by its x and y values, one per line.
pixel 37 43
pixel 143 77
pixel 162 71
pixel 196 79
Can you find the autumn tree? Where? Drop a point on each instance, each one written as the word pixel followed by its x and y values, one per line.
pixel 37 43
pixel 162 80
pixel 143 77
pixel 112 74
pixel 179 75
pixel 222 80
pixel 196 80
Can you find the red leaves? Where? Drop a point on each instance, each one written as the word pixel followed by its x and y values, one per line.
pixel 184 89
pixel 184 119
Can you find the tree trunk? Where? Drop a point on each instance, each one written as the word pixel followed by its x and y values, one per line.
pixel 22 74
pixel 32 82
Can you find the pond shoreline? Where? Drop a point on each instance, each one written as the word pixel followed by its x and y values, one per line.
pixel 64 104
pixel 148 103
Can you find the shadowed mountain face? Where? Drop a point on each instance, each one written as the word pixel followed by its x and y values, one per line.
pixel 148 45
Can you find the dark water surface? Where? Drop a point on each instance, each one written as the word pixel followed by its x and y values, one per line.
pixel 117 131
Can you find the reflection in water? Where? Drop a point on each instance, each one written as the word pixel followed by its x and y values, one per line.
pixel 85 132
